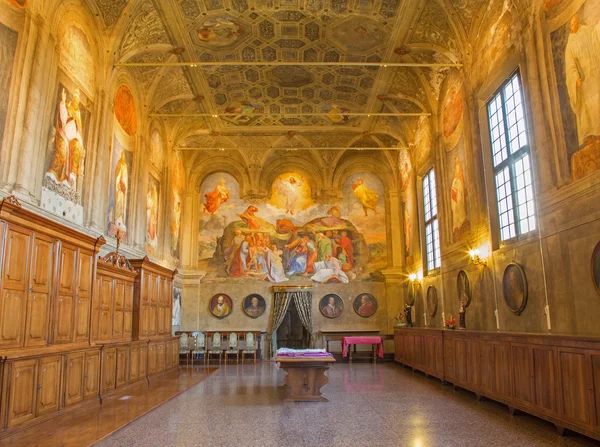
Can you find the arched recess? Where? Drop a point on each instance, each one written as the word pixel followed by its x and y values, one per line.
pixel 219 163
pixel 350 164
pixel 290 163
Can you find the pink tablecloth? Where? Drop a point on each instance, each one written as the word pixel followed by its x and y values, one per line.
pixel 362 341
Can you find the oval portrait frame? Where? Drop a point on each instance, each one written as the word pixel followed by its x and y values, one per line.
pixel 519 309
pixel 468 291
pixel 248 299
pixel 356 304
pixel 338 301
pixel 433 291
pixel 595 267
pixel 411 293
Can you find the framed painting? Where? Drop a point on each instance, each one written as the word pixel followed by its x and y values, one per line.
pixel 220 305
pixel 596 267
pixel 514 288
pixel 331 305
pixel 254 305
pixel 410 293
pixel 365 305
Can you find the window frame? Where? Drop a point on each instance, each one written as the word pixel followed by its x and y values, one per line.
pixel 511 159
pixel 436 252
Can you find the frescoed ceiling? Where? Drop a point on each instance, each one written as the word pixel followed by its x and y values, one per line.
pixel 289 31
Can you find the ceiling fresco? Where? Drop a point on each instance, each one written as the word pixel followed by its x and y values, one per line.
pixel 264 100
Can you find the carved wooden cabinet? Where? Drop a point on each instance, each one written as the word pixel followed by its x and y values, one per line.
pixel 46 280
pixel 152 300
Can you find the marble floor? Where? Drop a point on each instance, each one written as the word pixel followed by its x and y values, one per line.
pixel 370 405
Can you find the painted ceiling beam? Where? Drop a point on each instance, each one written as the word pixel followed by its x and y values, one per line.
pixel 237 115
pixel 282 63
pixel 289 148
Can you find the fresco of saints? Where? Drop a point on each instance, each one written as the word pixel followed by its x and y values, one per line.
pixel 329 269
pixel 583 78
pixel 218 197
pixel 459 199
pixel 275 272
pixel 407 229
pixel 152 214
pixel 68 151
pixel 368 198
pixel 288 188
pixel 324 246
pixel 121 187
pixel 176 223
pixel 254 222
pixel 405 170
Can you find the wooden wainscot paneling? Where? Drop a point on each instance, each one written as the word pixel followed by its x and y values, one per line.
pixel 553 377
pixel 421 349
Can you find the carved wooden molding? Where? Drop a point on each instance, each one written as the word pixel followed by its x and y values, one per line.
pixel 116 260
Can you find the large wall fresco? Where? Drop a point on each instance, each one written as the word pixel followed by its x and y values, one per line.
pixel 177 185
pixel 8 46
pixel 152 207
pixel 575 48
pixel 65 156
pixel 120 189
pixel 76 56
pixel 289 237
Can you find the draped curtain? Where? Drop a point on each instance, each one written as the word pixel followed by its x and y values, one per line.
pixel 303 301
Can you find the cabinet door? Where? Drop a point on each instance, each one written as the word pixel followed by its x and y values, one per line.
pixel 152 367
pixel 91 382
pixel 161 320
pixel 151 320
pixel 14 287
pixel 153 289
pixel 134 363
pixel 83 295
pixel 145 320
pixel 106 315
pixel 109 369
pixel 40 284
pixel 160 357
pixel 118 324
pixel 48 385
pixel 67 266
pixel 168 355
pixel 143 361
pixel 74 378
pixel 121 378
pixel 23 387
pixel 129 297
pixel 168 320
pixel 63 330
pixel 127 322
pixel 96 309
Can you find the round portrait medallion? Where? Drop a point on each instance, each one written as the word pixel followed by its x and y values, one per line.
pixel 331 305
pixel 432 301
pixel 220 305
pixel 514 288
pixel 254 305
pixel 365 305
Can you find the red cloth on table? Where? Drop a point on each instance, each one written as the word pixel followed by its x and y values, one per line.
pixel 362 341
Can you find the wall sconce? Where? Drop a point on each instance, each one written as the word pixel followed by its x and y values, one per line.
pixel 476 258
pixel 416 277
pixel 412 277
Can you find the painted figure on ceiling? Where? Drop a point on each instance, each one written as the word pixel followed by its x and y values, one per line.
pixel 583 78
pixel 68 151
pixel 459 199
pixel 216 198
pixel 368 198
pixel 121 186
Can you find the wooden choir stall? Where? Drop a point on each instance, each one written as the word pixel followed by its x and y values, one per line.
pixel 72 329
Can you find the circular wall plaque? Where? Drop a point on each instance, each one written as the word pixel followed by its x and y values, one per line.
pixel 331 305
pixel 432 301
pixel 220 305
pixel 514 288
pixel 365 305
pixel 254 305
pixel 596 267
pixel 463 286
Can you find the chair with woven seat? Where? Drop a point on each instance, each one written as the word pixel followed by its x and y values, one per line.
pixel 184 348
pixel 232 347
pixel 250 346
pixel 199 346
pixel 216 347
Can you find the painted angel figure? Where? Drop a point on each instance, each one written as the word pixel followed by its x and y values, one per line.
pixel 368 198
pixel 217 197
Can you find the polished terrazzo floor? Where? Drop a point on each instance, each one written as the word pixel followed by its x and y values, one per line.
pixel 370 405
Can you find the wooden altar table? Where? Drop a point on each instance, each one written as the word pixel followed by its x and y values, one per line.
pixel 305 377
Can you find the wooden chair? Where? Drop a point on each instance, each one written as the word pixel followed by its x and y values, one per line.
pixel 216 347
pixel 232 347
pixel 184 347
pixel 250 345
pixel 199 346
